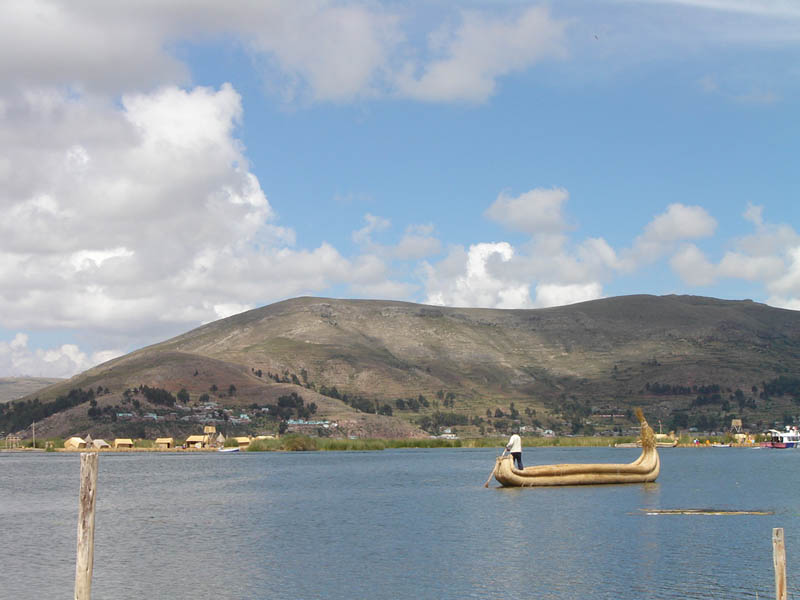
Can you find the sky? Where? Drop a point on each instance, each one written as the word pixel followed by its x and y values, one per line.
pixel 167 163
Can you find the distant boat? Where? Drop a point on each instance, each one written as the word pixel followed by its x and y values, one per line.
pixel 782 439
pixel 718 445
pixel 231 449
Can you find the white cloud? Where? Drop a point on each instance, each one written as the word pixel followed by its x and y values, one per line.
pixel 496 275
pixel 553 294
pixel 337 51
pixel 89 259
pixel 764 8
pixel 680 222
pixel 483 48
pixel 227 309
pixel 91 45
pixel 373 224
pixel 487 276
pixel 737 265
pixel 785 290
pixel 598 256
pixel 417 242
pixel 769 256
pixel 384 289
pixel 141 216
pixel 692 266
pixel 466 279
pixel 17 359
pixel 536 211
pixel 755 214
pixel 319 51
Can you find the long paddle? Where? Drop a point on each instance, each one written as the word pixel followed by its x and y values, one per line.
pixel 486 485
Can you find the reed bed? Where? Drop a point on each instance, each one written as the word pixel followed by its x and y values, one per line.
pixel 295 443
pixel 540 442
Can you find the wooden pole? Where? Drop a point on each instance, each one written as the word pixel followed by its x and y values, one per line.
pixel 486 485
pixel 85 560
pixel 779 562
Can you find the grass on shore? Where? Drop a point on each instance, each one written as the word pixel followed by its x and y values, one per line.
pixel 304 443
pixel 295 443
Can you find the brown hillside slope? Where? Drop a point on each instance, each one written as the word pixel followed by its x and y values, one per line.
pixel 390 349
pixel 599 352
pixel 12 388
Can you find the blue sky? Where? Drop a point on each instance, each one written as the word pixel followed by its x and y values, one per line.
pixel 164 164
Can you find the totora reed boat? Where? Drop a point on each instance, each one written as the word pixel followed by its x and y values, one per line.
pixel 643 469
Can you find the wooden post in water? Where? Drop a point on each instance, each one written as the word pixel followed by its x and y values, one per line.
pixel 779 562
pixel 88 495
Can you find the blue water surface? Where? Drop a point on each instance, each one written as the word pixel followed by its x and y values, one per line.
pixel 397 524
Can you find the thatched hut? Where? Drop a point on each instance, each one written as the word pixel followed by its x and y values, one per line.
pixel 243 442
pixel 167 442
pixel 197 441
pixel 124 443
pixel 74 443
pixel 100 444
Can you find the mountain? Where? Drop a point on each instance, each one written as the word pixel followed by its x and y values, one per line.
pixel 684 359
pixel 12 388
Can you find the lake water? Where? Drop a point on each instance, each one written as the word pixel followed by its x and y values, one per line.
pixel 397 524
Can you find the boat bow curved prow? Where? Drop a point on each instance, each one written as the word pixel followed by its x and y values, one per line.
pixel 643 469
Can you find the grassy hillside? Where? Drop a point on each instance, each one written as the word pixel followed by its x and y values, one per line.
pixel 687 360
pixel 12 388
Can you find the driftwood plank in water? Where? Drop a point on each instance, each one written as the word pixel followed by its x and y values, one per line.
pixel 703 511
pixel 88 495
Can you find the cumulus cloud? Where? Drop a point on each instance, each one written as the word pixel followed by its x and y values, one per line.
pixel 467 279
pixel 561 272
pixel 91 45
pixel 770 256
pixel 692 266
pixel 334 51
pixel 552 294
pixel 318 51
pixel 678 223
pixel 141 215
pixel 764 8
pixel 536 211
pixel 481 49
pixel 17 359
pixel 598 256
pixel 417 242
pixel 373 224
pixel 485 276
pixel 737 265
pixel 500 276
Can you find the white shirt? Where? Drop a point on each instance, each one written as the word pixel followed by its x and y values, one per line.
pixel 514 444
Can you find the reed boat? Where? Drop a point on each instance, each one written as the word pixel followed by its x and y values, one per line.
pixel 642 470
pixel 638 444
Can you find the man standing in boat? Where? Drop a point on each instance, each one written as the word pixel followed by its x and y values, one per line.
pixel 514 446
